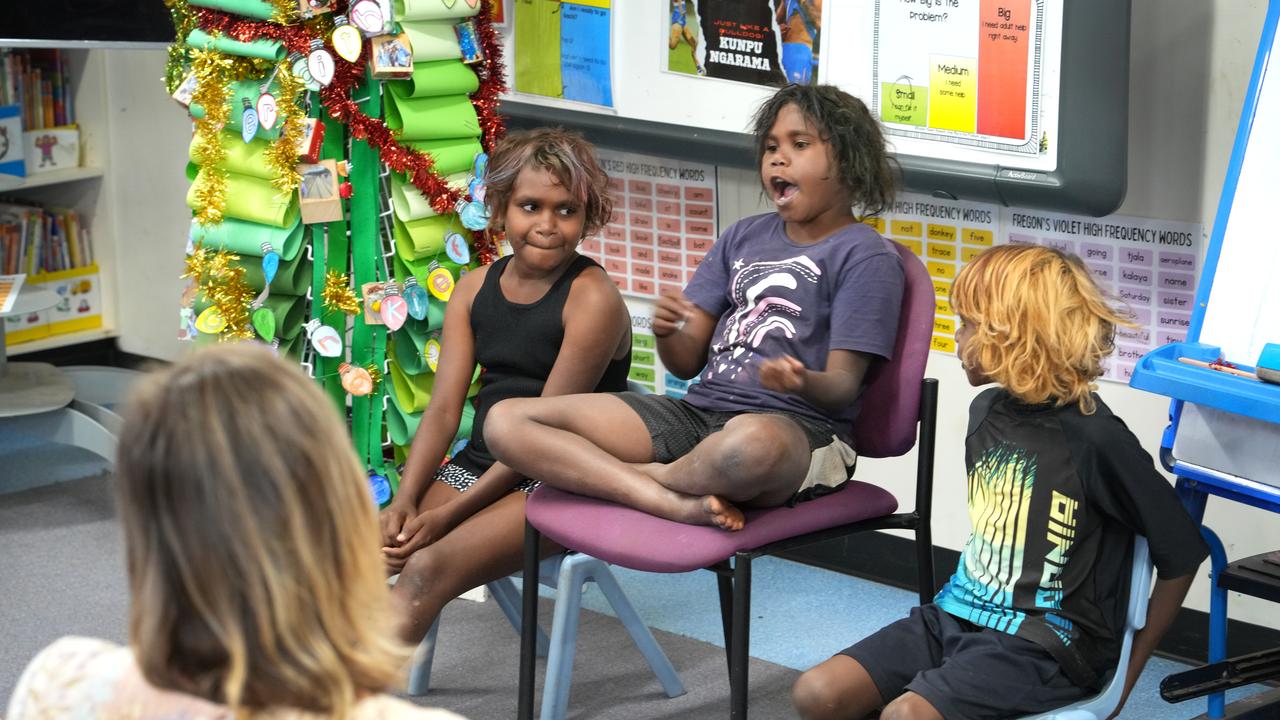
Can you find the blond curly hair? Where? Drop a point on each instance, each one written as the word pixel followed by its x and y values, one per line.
pixel 1041 326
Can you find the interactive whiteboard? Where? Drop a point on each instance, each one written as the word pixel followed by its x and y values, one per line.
pixel 1020 102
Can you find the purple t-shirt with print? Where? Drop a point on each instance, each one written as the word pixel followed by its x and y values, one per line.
pixel 775 296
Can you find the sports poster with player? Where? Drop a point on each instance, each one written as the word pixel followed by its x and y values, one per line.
pixel 761 42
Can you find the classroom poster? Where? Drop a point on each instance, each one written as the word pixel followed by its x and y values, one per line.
pixel 564 50
pixel 763 42
pixel 1148 267
pixel 664 222
pixel 970 74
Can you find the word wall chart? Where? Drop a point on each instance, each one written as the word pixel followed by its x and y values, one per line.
pixel 664 222
pixel 1148 268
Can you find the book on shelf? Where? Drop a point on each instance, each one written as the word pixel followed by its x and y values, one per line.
pixel 35 240
pixel 40 134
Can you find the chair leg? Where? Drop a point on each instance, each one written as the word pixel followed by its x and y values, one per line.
pixel 724 583
pixel 528 627
pixel 639 631
pixel 564 641
pixel 505 594
pixel 927 581
pixel 423 656
pixel 741 637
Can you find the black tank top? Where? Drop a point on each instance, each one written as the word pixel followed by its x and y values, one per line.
pixel 517 346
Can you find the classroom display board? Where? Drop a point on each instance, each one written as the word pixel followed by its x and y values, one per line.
pixel 979 78
pixel 565 50
pixel 1149 267
pixel 1009 101
pixel 1240 314
pixel 664 222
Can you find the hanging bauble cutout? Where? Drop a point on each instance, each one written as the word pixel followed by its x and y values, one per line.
pixel 416 298
pixel 347 40
pixel 324 339
pixel 270 263
pixel 264 322
pixel 320 63
pixel 393 310
pixel 298 66
pixel 355 380
pixel 267 112
pixel 367 15
pixel 432 353
pixel 248 122
pixel 211 322
pixel 440 283
pixel 455 246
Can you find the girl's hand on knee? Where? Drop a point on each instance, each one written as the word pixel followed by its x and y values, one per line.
pixel 418 533
pixel 784 374
pixel 391 521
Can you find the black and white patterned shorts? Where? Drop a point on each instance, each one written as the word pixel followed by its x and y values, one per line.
pixel 461 479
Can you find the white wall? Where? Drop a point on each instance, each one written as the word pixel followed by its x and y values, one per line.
pixel 1189 71
pixel 149 137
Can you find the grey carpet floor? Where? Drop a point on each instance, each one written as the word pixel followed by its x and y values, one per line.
pixel 62 573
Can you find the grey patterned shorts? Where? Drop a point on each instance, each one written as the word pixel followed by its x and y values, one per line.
pixel 461 479
pixel 676 427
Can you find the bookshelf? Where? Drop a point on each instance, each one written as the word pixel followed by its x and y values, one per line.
pixel 84 189
pixel 129 191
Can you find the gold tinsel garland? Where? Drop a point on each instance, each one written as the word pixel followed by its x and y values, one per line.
pixel 282 155
pixel 338 295
pixel 221 280
pixel 212 70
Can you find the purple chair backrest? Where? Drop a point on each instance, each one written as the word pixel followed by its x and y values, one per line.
pixel 886 425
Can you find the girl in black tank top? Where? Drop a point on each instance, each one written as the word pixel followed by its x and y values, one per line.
pixel 542 321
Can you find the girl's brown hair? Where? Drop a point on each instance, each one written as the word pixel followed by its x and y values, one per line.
pixel 569 158
pixel 848 127
pixel 1041 327
pixel 252 539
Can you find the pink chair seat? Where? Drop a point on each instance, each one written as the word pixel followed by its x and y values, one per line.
pixel 640 541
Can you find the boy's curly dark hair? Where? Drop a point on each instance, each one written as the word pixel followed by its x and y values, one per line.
pixel 845 123
pixel 569 158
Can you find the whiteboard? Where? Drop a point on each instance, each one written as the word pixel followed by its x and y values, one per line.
pixel 860 60
pixel 1242 268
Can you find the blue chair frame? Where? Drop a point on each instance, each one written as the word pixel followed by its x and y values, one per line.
pixel 569 574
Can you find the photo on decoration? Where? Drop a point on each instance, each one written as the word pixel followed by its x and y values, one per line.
pixel 319 182
pixel 498 12
pixel 392 56
pixel 469 42
pixel 762 42
pixel 318 195
pixel 185 90
pixel 311 8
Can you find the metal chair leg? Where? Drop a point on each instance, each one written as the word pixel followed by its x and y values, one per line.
pixel 423 656
pixel 724 583
pixel 529 626
pixel 741 636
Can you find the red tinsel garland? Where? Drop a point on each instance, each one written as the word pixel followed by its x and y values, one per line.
pixel 336 98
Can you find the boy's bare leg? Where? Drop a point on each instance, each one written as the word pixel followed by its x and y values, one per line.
pixel 838 689
pixel 591 444
pixel 757 460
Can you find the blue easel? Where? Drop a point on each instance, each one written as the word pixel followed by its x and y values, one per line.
pixel 1210 406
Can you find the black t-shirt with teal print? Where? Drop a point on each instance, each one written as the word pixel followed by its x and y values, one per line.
pixel 1055 497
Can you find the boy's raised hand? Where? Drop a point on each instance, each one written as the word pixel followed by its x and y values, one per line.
pixel 671 313
pixel 784 374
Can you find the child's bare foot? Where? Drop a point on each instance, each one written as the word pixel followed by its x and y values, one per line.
pixel 722 513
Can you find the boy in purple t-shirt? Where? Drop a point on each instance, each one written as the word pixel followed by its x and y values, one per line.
pixel 786 313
